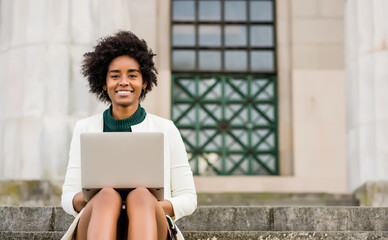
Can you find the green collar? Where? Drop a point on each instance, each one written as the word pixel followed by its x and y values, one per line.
pixel 122 125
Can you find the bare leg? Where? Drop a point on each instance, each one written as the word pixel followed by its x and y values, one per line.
pixel 99 218
pixel 146 217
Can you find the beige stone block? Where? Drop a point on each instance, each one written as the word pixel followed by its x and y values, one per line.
pixel 10 160
pixel 284 96
pixel 160 96
pixel 284 184
pixel 331 8
pixel 286 167
pixel 318 30
pixel 351 44
pixel 112 16
pixel 19 19
pixel 14 97
pixel 55 154
pixel 331 56
pixel 31 146
pixel 4 82
pixel 385 10
pixel 34 91
pixel 364 23
pixel 353 158
pixel 367 150
pixel 144 20
pixel 319 124
pixel 320 98
pixel 283 32
pixel 57 20
pixel 81 102
pixel 283 9
pixel 305 56
pixel 380 20
pixel 163 42
pixel 304 8
pixel 366 89
pixel 319 150
pixel 352 96
pixel 82 27
pixel 381 150
pixel 55 79
pixel 381 86
pixel 2 140
pixel 5 27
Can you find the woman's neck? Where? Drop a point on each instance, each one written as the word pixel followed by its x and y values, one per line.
pixel 119 112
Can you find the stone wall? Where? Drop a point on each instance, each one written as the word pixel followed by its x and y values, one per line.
pixel 367 87
pixel 43 92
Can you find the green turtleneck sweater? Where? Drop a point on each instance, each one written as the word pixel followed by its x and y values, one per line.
pixel 122 125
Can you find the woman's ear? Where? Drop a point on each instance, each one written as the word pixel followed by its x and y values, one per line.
pixel 144 85
pixel 104 87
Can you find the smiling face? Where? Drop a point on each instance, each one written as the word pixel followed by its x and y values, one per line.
pixel 124 83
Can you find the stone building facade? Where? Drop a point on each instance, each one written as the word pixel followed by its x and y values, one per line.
pixel 331 117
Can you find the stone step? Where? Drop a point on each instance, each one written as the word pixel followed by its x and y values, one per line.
pixel 48 193
pixel 222 235
pixel 222 219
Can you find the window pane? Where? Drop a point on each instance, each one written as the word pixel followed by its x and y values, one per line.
pixel 209 10
pixel 235 11
pixel 183 10
pixel 183 59
pixel 209 35
pixel 261 11
pixel 210 60
pixel 235 60
pixel 183 35
pixel 235 35
pixel 261 36
pixel 262 61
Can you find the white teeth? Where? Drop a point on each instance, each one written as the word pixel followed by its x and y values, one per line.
pixel 123 91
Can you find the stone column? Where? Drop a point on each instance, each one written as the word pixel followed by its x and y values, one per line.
pixel 367 91
pixel 42 91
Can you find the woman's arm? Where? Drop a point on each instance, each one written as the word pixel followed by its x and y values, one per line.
pixel 167 207
pixel 72 185
pixel 183 195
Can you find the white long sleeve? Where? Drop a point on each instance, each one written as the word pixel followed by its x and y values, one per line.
pixel 179 184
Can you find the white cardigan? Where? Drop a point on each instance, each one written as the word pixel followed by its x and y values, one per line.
pixel 179 186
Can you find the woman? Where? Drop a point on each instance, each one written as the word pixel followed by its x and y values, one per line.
pixel 120 71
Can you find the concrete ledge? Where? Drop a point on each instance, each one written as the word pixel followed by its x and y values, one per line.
pixel 228 219
pixel 226 235
pixel 373 194
pixel 330 219
pixel 222 219
pixel 31 235
pixel 285 235
pixel 48 193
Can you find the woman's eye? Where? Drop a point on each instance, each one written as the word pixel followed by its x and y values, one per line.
pixel 132 76
pixel 115 76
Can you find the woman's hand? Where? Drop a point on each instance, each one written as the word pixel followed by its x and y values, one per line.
pixel 167 207
pixel 79 202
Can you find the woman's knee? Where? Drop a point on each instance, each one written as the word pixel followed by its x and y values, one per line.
pixel 140 195
pixel 108 197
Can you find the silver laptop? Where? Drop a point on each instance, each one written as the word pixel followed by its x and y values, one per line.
pixel 123 161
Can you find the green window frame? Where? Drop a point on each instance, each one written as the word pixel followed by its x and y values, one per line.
pixel 224 92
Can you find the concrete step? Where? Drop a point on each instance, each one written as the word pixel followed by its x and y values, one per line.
pixel 48 193
pixel 224 235
pixel 222 219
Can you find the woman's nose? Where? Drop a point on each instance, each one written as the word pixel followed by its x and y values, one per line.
pixel 124 81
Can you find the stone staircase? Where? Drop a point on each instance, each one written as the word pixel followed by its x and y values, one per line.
pixel 214 223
